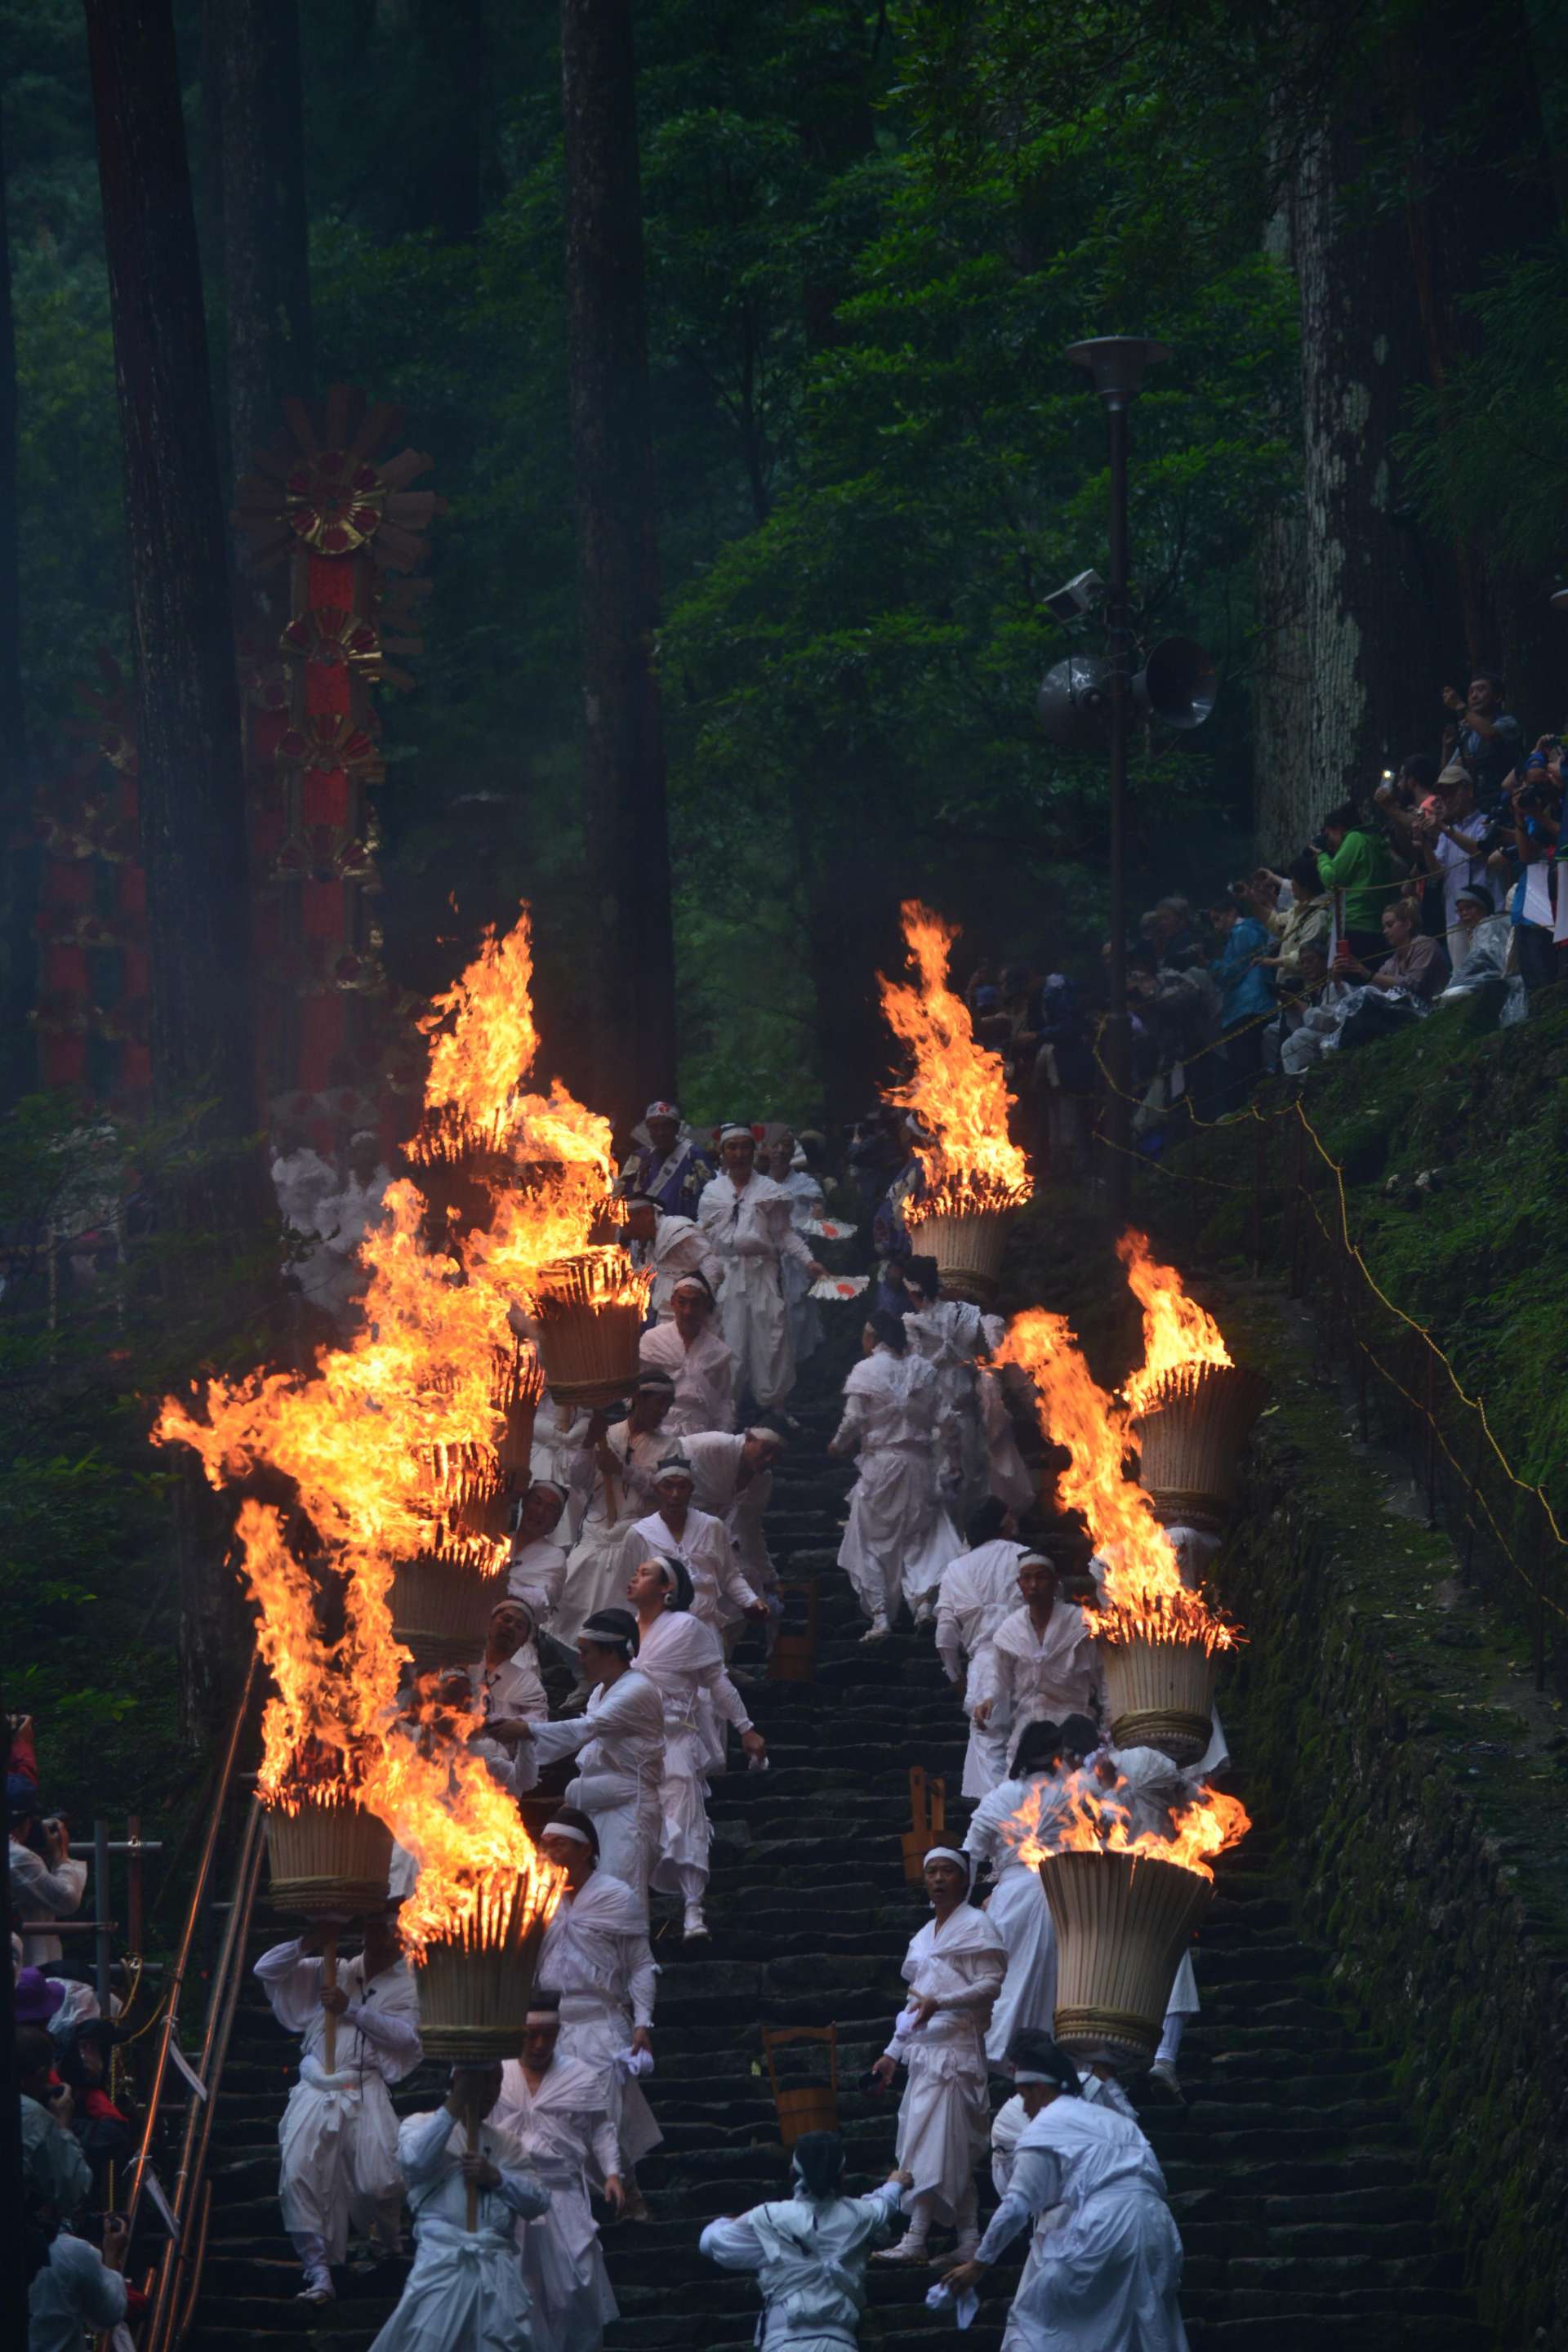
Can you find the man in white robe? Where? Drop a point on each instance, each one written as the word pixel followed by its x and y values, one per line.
pixel 612 1476
pixel 787 1165
pixel 554 2108
pixel 954 1969
pixel 671 1245
pixel 597 1956
pixel 734 1480
pixel 506 1688
pixel 466 2291
pixel 338 2138
pixel 703 1542
pixel 809 2252
pixel 618 1742
pixel 536 1572
pixel 746 1218
pixel 694 1352
pixel 979 1590
pixel 950 1334
pixel 1040 1664
pixel 898 1538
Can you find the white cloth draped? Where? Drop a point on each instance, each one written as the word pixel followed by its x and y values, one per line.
pixel 619 1744
pixel 703 1373
pixel 721 1594
pixel 805 1201
pixel 1018 1908
pixel 1033 1677
pixel 678 1246
pixel 1104 2265
pixel 898 1539
pixel 466 2291
pixel 596 1955
pixel 613 1483
pixel 685 1659
pixel 563 2128
pixel 749 1230
pixel 979 1590
pixel 536 1573
pixel 944 2115
pixel 810 2259
pixel 338 2136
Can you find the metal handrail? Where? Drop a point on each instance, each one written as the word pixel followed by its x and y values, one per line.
pixel 169 2038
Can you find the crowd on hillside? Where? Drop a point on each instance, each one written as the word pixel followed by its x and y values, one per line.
pixel 639 1560
pixel 1444 885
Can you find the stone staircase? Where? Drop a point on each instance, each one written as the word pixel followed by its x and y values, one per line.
pixel 1304 2217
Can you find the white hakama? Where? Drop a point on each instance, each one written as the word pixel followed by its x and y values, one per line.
pixel 979 1591
pixel 596 1955
pixel 619 1744
pixel 749 1230
pixel 466 2290
pixel 563 2129
pixel 686 1659
pixel 338 2136
pixel 809 2255
pixel 1104 2267
pixel 612 1485
pixel 898 1539
pixel 944 2114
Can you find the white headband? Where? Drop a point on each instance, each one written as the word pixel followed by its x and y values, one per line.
pixel 945 1854
pixel 727 1134
pixel 1022 2075
pixel 566 1830
pixel 544 2017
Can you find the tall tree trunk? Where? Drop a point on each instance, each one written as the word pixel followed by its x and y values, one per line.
pixel 192 799
pixel 631 962
pixel 1285 791
pixel 254 121
pixel 1378 624
pixel 18 1061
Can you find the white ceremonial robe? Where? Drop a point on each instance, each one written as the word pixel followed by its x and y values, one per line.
pixel 338 2138
pixel 703 1373
pixel 563 2128
pixel 1011 2121
pixel 805 1202
pixel 810 2258
pixel 898 1539
pixel 619 1744
pixel 944 2114
pixel 979 1589
pixel 514 1689
pixel 466 2291
pixel 750 1231
pixel 596 1955
pixel 717 1460
pixel 1104 2267
pixel 1037 1678
pixel 536 1574
pixel 950 1335
pixel 685 1659
pixel 557 1439
pixel 678 1246
pixel 595 1578
pixel 720 1594
pixel 1016 1907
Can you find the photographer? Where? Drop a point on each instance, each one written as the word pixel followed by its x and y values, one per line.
pixel 77 2290
pixel 1355 858
pixel 56 2174
pixel 1483 735
pixel 1455 842
pixel 45 1882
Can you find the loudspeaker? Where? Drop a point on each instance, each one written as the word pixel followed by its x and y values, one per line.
pixel 1178 684
pixel 1073 704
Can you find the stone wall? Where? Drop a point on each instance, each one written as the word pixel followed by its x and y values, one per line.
pixel 1387 1736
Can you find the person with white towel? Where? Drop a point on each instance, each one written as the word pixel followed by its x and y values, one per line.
pixel 619 1743
pixel 808 2249
pixel 747 1219
pixel 554 2108
pixel 695 1353
pixel 978 1590
pixel 338 2138
pixel 1041 1662
pixel 898 1538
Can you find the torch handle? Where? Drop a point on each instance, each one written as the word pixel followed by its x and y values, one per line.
pixel 471 2121
pixel 330 1984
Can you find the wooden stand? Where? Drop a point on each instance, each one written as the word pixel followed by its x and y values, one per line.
pixel 928 1819
pixel 803 2106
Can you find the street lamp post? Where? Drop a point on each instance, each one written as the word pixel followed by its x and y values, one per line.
pixel 1116 363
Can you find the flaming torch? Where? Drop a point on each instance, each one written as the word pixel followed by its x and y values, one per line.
pixel 1160 1643
pixel 588 1309
pixel 1192 1407
pixel 975 1176
pixel 1125 1909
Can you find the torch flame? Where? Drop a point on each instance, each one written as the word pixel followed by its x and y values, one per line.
pixel 959 1088
pixel 1177 1331
pixel 1087 1818
pixel 391 1443
pixel 1144 1594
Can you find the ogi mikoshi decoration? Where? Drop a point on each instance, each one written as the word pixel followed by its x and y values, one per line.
pixel 588 1312
pixel 1160 1643
pixel 1124 1909
pixel 1192 1407
pixel 972 1175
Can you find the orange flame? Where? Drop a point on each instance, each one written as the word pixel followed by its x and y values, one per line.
pixel 1176 1331
pixel 1095 1820
pixel 391 1443
pixel 959 1089
pixel 1144 1594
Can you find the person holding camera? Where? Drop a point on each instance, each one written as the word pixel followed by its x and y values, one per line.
pixel 46 1882
pixel 1353 857
pixel 1454 842
pixel 1482 734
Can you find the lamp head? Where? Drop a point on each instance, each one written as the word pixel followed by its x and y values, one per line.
pixel 1117 364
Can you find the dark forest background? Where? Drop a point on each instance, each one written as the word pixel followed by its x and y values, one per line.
pixel 869 233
